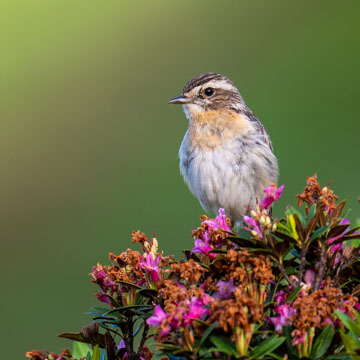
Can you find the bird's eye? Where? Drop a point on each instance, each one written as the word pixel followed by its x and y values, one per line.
pixel 209 91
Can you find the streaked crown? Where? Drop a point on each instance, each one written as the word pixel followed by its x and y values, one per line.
pixel 210 91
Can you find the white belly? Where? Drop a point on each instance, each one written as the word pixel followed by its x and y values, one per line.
pixel 229 177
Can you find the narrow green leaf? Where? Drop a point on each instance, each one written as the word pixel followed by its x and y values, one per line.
pixel 206 334
pixel 242 233
pixel 267 346
pixel 317 233
pixel 291 211
pixel 293 295
pixel 349 323
pixel 339 356
pixel 350 343
pixel 223 345
pixel 80 349
pixel 96 353
pixel 131 307
pixel 322 342
pixel 129 285
pixel 312 211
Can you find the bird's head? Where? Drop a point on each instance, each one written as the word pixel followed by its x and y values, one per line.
pixel 209 92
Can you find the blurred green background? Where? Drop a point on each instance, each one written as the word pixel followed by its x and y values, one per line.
pixel 88 143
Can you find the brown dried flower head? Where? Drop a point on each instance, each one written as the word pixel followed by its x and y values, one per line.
pixel 314 194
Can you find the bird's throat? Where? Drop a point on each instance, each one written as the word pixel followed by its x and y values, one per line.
pixel 210 129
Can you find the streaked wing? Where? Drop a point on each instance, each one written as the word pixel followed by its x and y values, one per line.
pixel 260 128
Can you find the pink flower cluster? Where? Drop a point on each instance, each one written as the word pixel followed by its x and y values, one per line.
pixel 150 266
pixel 107 285
pixel 187 312
pixel 204 246
pixel 283 310
pixel 260 221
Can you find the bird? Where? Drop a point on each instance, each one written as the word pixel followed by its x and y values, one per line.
pixel 226 156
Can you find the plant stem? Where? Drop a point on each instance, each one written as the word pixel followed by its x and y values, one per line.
pixel 323 260
pixel 283 273
pixel 302 261
pixel 143 339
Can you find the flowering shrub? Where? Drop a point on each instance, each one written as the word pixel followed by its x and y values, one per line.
pixel 271 289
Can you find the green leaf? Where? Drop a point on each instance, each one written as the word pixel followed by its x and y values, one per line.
pixel 338 356
pixel 130 307
pixel 292 350
pixel 317 233
pixel 80 349
pixel 322 342
pixel 242 233
pixel 149 293
pixel 291 211
pixel 350 345
pixel 129 285
pixel 267 346
pixel 293 295
pixel 223 345
pixel 312 212
pixel 206 334
pixel 350 324
pixel 96 353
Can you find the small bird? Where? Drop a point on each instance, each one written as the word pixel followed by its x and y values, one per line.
pixel 226 156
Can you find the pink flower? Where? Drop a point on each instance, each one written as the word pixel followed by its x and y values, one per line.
pixel 252 222
pixel 158 317
pixel 298 339
pixel 337 247
pixel 225 289
pixel 272 194
pixel 102 278
pixel 150 266
pixel 284 312
pixel 197 310
pixel 280 297
pixel 123 346
pixel 102 297
pixel 309 278
pixel 219 222
pixel 203 247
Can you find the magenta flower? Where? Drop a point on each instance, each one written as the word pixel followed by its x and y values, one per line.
pixel 150 266
pixel 272 194
pixel 158 317
pixel 298 339
pixel 309 278
pixel 123 346
pixel 337 247
pixel 203 247
pixel 280 297
pixel 102 297
pixel 197 310
pixel 252 222
pixel 226 288
pixel 219 222
pixel 284 312
pixel 102 279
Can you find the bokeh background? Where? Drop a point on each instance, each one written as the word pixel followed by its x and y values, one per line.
pixel 88 143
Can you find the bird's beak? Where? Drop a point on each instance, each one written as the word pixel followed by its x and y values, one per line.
pixel 180 100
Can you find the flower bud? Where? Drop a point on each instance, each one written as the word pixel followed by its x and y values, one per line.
pixel 253 214
pixel 262 220
pixel 154 247
pixel 274 227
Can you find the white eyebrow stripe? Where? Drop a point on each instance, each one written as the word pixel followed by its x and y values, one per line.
pixel 222 84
